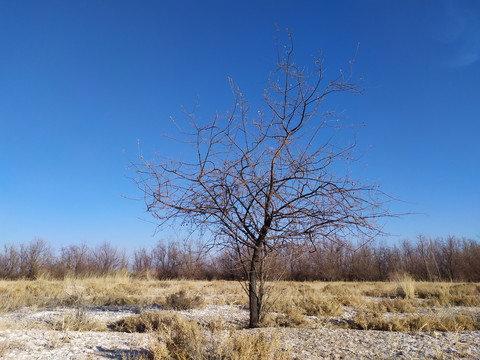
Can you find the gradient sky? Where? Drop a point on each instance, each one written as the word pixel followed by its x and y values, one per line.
pixel 82 81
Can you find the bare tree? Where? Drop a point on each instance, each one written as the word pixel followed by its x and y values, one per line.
pixel 258 183
pixel 9 262
pixel 142 262
pixel 74 259
pixel 34 258
pixel 166 260
pixel 107 258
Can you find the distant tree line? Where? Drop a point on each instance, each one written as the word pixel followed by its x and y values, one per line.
pixel 451 258
pixel 37 258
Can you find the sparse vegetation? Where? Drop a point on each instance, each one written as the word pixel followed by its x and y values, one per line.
pixel 174 337
pixel 432 307
pixel 148 321
pixel 406 286
pixel 182 301
pixel 76 321
pixel 376 321
pixel 292 317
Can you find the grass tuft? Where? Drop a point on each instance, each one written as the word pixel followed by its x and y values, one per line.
pixel 148 321
pixel 181 301
pixel 292 318
pixel 77 321
pixel 406 286
pixel 174 337
pixel 368 320
pixel 245 346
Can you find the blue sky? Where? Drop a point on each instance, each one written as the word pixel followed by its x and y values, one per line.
pixel 82 81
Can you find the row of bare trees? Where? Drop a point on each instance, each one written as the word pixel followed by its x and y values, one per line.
pixel 451 259
pixel 175 260
pixel 428 259
pixel 37 258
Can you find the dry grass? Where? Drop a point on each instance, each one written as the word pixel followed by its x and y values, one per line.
pixel 175 337
pixel 369 320
pixel 305 299
pixel 77 321
pixel 117 290
pixel 290 303
pixel 146 322
pixel 396 305
pixel 450 294
pixel 319 305
pixel 293 318
pixel 182 301
pixel 244 346
pixel 405 286
pixel 400 305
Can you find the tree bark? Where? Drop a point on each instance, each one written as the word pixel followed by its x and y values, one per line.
pixel 253 293
pixel 256 276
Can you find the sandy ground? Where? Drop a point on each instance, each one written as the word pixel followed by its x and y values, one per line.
pixel 27 334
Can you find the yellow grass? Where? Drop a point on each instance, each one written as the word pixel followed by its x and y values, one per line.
pixel 400 305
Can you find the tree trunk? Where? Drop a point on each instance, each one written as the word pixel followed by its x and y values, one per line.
pixel 254 295
pixel 256 276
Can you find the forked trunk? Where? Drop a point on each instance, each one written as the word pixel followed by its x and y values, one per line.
pixel 256 276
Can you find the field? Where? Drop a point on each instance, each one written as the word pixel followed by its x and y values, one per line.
pixel 120 317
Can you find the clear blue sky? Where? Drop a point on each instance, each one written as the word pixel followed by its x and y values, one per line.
pixel 81 81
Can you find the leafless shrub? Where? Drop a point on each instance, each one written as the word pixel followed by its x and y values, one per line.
pixel 74 260
pixel 107 258
pixel 35 258
pixel 9 263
